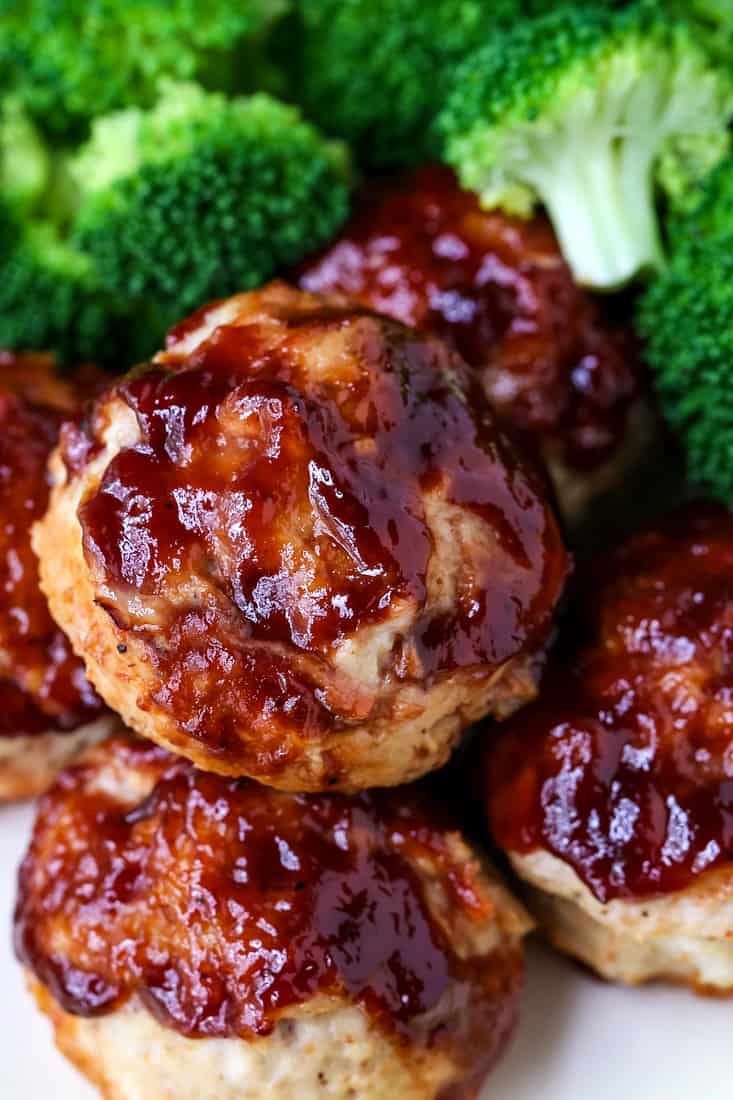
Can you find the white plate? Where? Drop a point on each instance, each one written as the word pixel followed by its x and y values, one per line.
pixel 578 1039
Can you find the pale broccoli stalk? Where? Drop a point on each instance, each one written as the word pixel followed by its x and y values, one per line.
pixel 25 162
pixel 588 112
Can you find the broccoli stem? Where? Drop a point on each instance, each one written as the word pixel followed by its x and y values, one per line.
pixel 601 203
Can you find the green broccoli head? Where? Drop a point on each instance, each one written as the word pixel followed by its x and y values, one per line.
pixel 715 19
pixel 202 196
pixel 69 60
pixel 588 110
pixel 375 71
pixel 686 319
pixel 718 12
pixel 49 298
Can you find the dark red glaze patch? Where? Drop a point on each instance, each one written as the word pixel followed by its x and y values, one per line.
pixel 553 362
pixel 276 505
pixel 42 684
pixel 624 768
pixel 221 904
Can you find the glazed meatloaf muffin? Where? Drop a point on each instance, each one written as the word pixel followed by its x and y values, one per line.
pixel 613 795
pixel 297 547
pixel 557 366
pixel 207 938
pixel 48 709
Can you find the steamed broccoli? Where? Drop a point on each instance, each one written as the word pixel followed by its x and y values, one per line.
pixel 718 13
pixel 69 60
pixel 49 297
pixel 713 20
pixel 158 212
pixel 47 292
pixel 686 319
pixel 202 196
pixel 25 162
pixel 375 71
pixel 586 110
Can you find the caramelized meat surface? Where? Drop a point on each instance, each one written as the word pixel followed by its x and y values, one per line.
pixel 42 684
pixel 624 768
pixel 556 366
pixel 222 906
pixel 312 526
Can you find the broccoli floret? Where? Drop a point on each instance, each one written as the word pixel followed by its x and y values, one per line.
pixel 48 295
pixel 686 319
pixel 25 161
pixel 159 211
pixel 588 110
pixel 375 71
pixel 718 12
pixel 49 298
pixel 202 196
pixel 715 19
pixel 69 60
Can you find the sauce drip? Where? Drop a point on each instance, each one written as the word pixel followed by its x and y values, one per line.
pixel 624 768
pixel 553 361
pixel 221 904
pixel 276 505
pixel 42 684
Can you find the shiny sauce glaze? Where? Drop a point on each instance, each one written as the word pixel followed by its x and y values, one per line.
pixel 624 768
pixel 275 506
pixel 222 904
pixel 42 684
pixel 552 360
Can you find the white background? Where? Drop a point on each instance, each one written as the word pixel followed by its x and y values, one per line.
pixel 578 1039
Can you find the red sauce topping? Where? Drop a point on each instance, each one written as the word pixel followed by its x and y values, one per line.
pixel 221 904
pixel 551 359
pixel 276 504
pixel 624 768
pixel 42 684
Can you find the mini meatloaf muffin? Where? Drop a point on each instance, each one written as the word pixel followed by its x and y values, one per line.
pixel 296 547
pixel 207 938
pixel 613 795
pixel 48 709
pixel 558 368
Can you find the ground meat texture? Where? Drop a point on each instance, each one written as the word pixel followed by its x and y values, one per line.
pixel 312 532
pixel 224 907
pixel 42 684
pixel 624 767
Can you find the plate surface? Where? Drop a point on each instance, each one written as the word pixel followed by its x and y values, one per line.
pixel 578 1039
